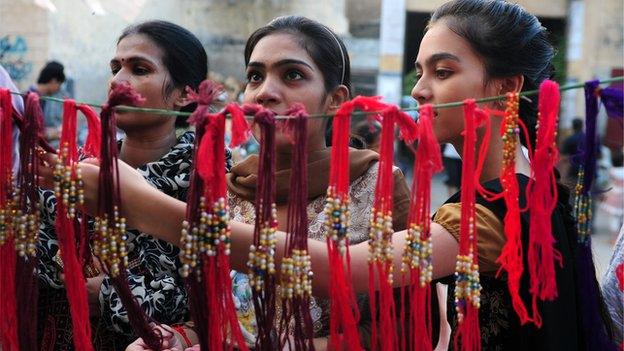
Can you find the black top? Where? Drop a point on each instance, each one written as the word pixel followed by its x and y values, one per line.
pixel 500 325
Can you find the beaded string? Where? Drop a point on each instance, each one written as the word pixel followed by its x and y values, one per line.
pixel 381 226
pixel 206 231
pixel 417 256
pixel 69 193
pixel 511 257
pixel 8 333
pixel 595 336
pixel 296 329
pixel 26 226
pixel 109 238
pixel 344 313
pixel 262 272
pixel 467 282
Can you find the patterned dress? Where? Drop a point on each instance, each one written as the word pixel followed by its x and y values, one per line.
pixel 153 267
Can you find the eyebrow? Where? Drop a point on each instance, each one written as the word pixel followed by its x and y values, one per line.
pixel 132 59
pixel 439 57
pixel 280 63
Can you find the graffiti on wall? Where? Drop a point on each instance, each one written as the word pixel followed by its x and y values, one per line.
pixel 13 51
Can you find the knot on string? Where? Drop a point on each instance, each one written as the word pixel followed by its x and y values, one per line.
pixel 240 127
pixel 290 125
pixel 121 94
pixel 205 95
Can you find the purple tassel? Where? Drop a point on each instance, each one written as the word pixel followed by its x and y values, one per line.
pixel 595 337
pixel 613 100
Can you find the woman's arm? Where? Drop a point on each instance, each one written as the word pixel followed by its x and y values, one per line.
pixel 160 215
pixel 445 249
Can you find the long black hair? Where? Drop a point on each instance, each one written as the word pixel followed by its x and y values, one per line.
pixel 510 41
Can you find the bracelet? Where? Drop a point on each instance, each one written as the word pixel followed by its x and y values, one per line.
pixel 180 330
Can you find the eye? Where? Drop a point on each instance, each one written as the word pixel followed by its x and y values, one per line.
pixel 418 75
pixel 254 77
pixel 443 73
pixel 114 69
pixel 294 75
pixel 140 70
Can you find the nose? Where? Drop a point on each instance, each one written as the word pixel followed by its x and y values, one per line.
pixel 268 93
pixel 421 92
pixel 119 77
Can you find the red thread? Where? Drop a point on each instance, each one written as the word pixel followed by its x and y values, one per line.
pixel 427 161
pixel 210 289
pixel 466 301
pixel 542 200
pixel 67 237
pixel 8 310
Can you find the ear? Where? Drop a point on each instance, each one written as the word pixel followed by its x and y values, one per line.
pixel 512 84
pixel 337 98
pixel 181 100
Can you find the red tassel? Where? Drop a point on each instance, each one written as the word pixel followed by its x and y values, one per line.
pixel 344 314
pixel 417 257
pixel 542 199
pixel 206 233
pixel 511 257
pixel 240 127
pixel 8 331
pixel 296 329
pixel 94 137
pixel 467 285
pixel 66 178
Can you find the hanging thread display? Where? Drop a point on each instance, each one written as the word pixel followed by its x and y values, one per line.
pixel 26 227
pixel 295 329
pixel 8 304
pixel 542 199
pixel 261 264
pixel 417 255
pixel 206 231
pixel 109 238
pixel 467 281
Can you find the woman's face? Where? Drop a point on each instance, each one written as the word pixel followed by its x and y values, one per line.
pixel 138 61
pixel 449 70
pixel 281 73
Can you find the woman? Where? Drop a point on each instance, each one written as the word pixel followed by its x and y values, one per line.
pixel 159 59
pixel 297 60
pixel 472 49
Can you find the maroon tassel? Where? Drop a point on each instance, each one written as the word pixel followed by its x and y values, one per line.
pixel 296 330
pixel 8 331
pixel 27 227
pixel 110 233
pixel 262 253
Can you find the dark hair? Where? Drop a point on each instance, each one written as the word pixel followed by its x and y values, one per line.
pixel 52 70
pixel 183 54
pixel 510 40
pixel 323 45
pixel 577 125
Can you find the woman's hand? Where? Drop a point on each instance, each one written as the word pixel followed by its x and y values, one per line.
pixel 170 341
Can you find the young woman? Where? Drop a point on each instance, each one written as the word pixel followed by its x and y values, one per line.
pixel 159 59
pixel 472 49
